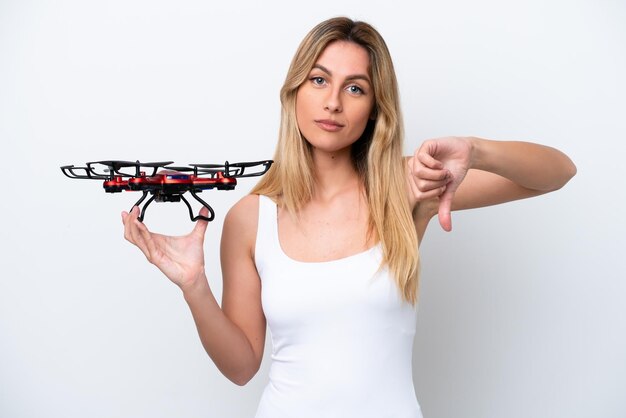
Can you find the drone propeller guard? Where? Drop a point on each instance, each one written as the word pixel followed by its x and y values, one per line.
pixel 171 183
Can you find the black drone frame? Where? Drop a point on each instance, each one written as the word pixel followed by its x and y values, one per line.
pixel 162 197
pixel 204 177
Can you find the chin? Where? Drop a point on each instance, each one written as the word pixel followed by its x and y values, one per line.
pixel 332 150
pixel 330 145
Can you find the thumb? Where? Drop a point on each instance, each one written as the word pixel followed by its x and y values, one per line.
pixel 445 209
pixel 201 224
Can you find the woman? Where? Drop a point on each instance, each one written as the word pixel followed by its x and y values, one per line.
pixel 325 248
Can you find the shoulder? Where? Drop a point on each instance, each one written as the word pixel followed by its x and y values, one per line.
pixel 244 213
pixel 241 222
pixel 244 208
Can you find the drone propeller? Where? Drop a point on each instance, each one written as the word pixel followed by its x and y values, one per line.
pixel 180 168
pixel 266 164
pixel 201 171
pixel 82 173
pixel 196 170
pixel 170 184
pixel 114 167
pixel 238 169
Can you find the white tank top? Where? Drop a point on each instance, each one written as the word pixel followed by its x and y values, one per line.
pixel 342 336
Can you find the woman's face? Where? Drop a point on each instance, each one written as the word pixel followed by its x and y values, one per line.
pixel 334 104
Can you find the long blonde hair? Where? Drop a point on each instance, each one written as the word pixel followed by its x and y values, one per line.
pixel 377 154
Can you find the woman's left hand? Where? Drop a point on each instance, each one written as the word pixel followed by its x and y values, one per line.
pixel 436 170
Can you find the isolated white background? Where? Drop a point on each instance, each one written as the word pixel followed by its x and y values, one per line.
pixel 521 311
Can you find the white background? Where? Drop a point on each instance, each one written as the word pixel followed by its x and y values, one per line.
pixel 521 311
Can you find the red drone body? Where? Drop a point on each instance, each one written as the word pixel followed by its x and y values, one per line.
pixel 169 184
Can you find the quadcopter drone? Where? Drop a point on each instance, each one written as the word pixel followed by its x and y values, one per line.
pixel 171 183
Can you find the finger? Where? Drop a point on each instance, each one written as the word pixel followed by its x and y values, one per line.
pixel 145 240
pixel 429 161
pixel 126 219
pixel 201 224
pixel 134 213
pixel 423 190
pixel 135 232
pixel 426 179
pixel 431 194
pixel 445 209
pixel 421 195
pixel 124 216
pixel 445 216
pixel 426 185
pixel 425 172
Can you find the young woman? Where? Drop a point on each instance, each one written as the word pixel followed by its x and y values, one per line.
pixel 325 248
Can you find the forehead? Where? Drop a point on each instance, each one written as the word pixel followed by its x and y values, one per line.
pixel 345 58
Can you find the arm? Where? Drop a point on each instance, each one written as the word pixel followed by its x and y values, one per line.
pixel 234 334
pixel 464 173
pixel 241 293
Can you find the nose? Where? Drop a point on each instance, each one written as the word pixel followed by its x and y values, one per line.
pixel 333 101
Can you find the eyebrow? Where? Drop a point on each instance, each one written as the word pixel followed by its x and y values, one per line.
pixel 349 78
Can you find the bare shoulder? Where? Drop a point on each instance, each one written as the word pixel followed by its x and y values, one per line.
pixel 241 221
pixel 246 210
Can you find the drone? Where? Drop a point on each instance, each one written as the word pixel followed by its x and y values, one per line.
pixel 167 183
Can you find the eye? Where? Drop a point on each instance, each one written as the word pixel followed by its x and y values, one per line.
pixel 354 89
pixel 317 80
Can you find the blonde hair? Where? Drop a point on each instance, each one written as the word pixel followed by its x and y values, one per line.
pixel 377 154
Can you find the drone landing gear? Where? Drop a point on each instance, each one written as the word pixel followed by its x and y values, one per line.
pixel 174 197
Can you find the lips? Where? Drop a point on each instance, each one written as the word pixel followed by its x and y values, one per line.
pixel 329 125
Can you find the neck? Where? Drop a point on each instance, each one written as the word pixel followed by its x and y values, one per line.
pixel 334 174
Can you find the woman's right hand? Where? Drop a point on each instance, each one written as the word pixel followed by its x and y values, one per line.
pixel 181 259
